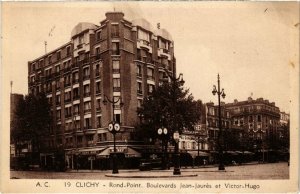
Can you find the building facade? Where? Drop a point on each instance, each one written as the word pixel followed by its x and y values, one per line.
pixel 117 60
pixel 259 120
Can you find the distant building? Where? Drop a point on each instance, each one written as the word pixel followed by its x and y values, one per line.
pixel 259 120
pixel 118 59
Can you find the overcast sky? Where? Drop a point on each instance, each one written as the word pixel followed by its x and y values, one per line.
pixel 254 46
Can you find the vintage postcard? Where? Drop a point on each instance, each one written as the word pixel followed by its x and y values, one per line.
pixel 149 97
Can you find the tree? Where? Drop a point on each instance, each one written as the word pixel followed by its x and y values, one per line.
pixel 33 119
pixel 170 105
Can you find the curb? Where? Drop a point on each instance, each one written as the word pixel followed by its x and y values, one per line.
pixel 148 176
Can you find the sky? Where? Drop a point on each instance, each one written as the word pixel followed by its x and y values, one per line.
pixel 254 46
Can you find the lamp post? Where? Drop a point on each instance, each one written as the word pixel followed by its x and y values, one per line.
pixel 114 127
pixel 177 155
pixel 220 135
pixel 174 125
pixel 163 133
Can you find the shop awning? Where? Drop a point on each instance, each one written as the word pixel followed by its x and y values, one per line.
pixel 127 151
pixel 131 153
pixel 195 153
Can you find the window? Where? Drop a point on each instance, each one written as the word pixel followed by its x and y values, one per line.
pixel 116 85
pixel 150 73
pixel 139 70
pixel 86 73
pixel 163 44
pixel 115 30
pixel 58 55
pixel 98 121
pixel 68 80
pixel 50 100
pixel 242 121
pixel 117 99
pixel 116 66
pixel 87 123
pixel 118 118
pixel 250 119
pixel 48 71
pixel 98 104
pixel 57 68
pixel 68 96
pixel 68 112
pixel 97 70
pixel 87 106
pixel 49 87
pixel 76 108
pixel 75 77
pixel 258 118
pixel 98 36
pixel 76 93
pixel 58 99
pixel 139 88
pixel 211 111
pixel 90 138
pixel 115 48
pixel 98 88
pixel 58 114
pixel 68 51
pixel 143 35
pixel 236 122
pixel 86 89
pixel 57 84
pixel 50 59
pixel 97 52
pixel 139 103
pixel 150 88
pixel 81 39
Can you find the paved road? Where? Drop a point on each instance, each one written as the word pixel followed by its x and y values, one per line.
pixel 244 172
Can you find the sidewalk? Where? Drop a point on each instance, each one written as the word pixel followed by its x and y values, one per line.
pixel 206 168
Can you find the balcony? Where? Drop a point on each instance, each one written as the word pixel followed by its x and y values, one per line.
pixel 76 80
pixel 140 92
pixel 68 115
pixel 88 127
pixel 144 44
pixel 139 75
pixel 164 52
pixel 80 46
pixel 76 97
pixel 116 70
pixel 98 92
pixel 86 60
pixel 150 77
pixel 115 35
pixel 86 77
pixel 67 84
pixel 98 109
pixel 86 94
pixel 75 65
pixel 97 74
pixel 98 57
pixel 67 100
pixel 117 89
pixel 67 69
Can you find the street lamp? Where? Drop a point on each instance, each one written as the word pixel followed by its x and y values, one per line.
pixel 174 82
pixel 177 155
pixel 220 135
pixel 163 133
pixel 114 127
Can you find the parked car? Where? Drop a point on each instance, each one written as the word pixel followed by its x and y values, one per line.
pixel 149 164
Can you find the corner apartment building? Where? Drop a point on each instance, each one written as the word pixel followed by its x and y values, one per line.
pixel 116 59
pixel 259 119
